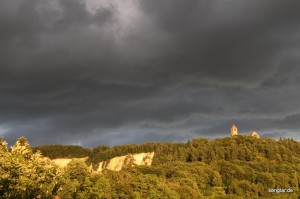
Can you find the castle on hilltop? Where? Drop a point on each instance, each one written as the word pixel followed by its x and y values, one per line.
pixel 234 131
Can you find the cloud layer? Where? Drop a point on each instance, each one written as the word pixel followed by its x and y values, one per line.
pixel 110 72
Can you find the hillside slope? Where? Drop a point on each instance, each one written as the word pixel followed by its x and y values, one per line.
pixel 233 167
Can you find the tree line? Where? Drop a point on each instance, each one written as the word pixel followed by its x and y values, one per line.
pixel 237 167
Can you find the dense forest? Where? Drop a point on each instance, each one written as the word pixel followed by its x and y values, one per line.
pixel 233 167
pixel 63 151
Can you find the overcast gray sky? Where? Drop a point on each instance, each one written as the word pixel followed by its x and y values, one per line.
pixel 113 72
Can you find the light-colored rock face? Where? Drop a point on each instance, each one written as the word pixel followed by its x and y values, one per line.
pixel 143 158
pixel 100 167
pixel 116 163
pixel 62 162
pixel 130 160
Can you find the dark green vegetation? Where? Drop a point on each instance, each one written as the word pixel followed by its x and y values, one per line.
pixel 238 167
pixel 63 151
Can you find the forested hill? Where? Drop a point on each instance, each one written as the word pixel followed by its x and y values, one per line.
pixel 63 151
pixel 241 148
pixel 233 167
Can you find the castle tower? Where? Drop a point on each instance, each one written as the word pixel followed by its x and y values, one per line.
pixel 234 130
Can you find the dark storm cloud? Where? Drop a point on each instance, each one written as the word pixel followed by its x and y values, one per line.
pixel 225 40
pixel 179 70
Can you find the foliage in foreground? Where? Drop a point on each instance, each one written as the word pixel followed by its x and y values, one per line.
pixel 240 167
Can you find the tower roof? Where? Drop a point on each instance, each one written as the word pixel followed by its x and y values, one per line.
pixel 233 127
pixel 254 134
